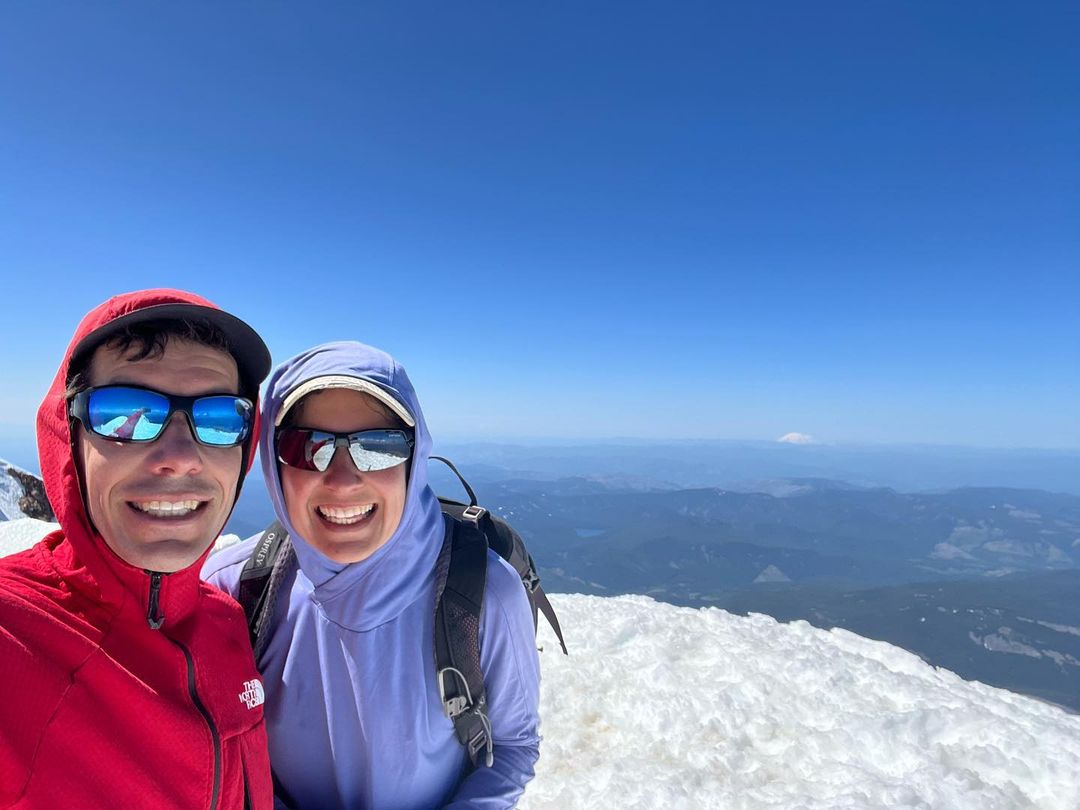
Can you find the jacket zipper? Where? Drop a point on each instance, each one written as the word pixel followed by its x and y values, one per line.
pixel 209 722
pixel 155 618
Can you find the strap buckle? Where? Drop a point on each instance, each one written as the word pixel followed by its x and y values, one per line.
pixel 481 741
pixel 458 704
pixel 473 514
pixel 475 728
pixel 531 580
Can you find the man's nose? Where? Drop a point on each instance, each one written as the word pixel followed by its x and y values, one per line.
pixel 176 452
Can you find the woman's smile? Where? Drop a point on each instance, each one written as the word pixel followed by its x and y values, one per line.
pixel 345 515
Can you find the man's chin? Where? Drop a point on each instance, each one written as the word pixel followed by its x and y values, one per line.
pixel 163 552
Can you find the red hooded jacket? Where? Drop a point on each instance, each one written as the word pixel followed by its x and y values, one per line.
pixel 98 709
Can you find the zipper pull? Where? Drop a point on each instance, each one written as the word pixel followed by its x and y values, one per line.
pixel 154 616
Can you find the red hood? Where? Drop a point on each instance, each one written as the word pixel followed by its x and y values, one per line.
pixel 111 575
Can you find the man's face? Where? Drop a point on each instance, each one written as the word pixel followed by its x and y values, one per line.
pixel 133 490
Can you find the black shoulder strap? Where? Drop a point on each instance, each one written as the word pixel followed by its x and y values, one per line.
pixel 541 601
pixel 260 578
pixel 460 578
pixel 529 577
pixel 471 513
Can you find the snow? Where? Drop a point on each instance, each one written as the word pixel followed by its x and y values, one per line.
pixel 1060 628
pixel 947 551
pixel 668 707
pixel 16 535
pixel 225 541
pixel 771 574
pixel 1002 641
pixel 660 706
pixel 797 438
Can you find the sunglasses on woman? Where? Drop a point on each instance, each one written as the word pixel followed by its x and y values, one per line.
pixel 370 450
pixel 127 413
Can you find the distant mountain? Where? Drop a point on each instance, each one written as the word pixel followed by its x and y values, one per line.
pixel 981 581
pixel 692 464
pixel 1020 632
pixel 690 545
pixel 792 487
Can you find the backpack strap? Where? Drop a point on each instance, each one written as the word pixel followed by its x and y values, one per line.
pixel 541 601
pixel 260 581
pixel 529 578
pixel 460 578
pixel 507 544
pixel 460 477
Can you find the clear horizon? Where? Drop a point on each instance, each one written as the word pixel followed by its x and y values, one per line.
pixel 25 453
pixel 737 221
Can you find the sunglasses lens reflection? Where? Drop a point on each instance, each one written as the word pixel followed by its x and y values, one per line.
pixel 370 450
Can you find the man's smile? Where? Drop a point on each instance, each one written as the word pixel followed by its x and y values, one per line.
pixel 168 509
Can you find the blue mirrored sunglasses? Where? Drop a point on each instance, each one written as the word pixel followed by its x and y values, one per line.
pixel 126 413
pixel 370 450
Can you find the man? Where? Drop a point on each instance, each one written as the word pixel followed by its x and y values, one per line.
pixel 127 682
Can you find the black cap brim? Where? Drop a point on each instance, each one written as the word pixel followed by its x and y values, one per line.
pixel 247 348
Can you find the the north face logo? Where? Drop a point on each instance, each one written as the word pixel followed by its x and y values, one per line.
pixel 252 695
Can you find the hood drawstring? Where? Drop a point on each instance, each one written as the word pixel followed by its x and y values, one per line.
pixel 154 617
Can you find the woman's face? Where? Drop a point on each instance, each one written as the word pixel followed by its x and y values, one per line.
pixel 344 513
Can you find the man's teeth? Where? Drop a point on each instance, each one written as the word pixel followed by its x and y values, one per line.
pixel 344 515
pixel 166 508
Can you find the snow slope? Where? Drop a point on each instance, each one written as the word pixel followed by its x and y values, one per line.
pixel 666 707
pixel 660 706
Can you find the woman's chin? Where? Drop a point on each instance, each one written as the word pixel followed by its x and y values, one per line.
pixel 348 543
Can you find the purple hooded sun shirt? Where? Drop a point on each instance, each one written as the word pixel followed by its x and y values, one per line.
pixel 352 703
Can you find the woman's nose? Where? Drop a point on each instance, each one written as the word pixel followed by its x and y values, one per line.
pixel 342 471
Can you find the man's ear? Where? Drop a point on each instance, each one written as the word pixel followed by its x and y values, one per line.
pixel 78 439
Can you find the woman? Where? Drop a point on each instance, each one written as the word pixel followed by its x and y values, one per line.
pixel 352 704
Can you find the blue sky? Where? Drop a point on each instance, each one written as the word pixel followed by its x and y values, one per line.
pixel 856 220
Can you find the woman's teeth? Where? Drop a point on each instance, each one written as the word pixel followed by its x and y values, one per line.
pixel 166 508
pixel 344 515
